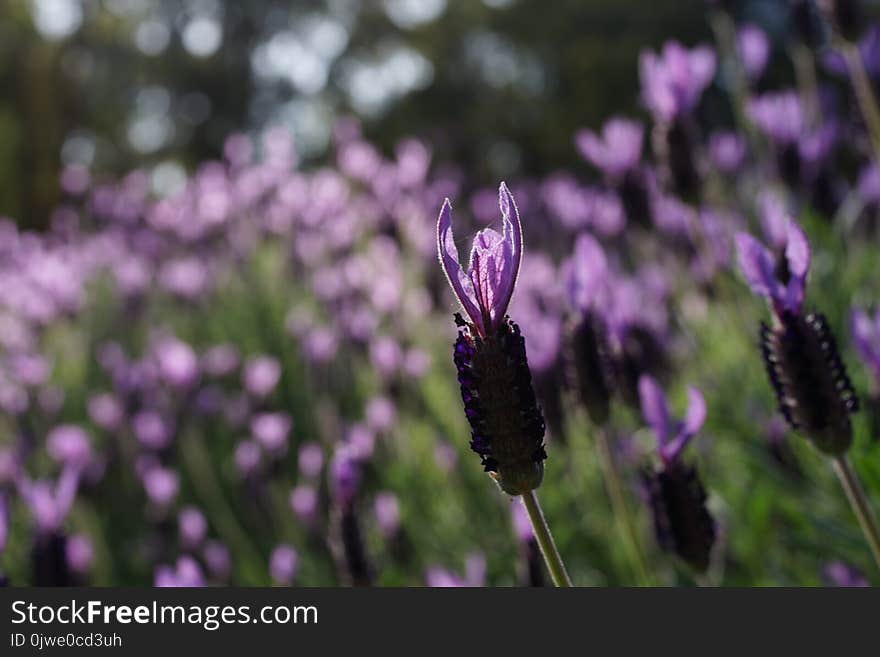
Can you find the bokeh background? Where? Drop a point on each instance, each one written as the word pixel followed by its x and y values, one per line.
pixel 225 340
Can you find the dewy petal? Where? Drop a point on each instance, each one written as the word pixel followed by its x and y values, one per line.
pixel 758 267
pixel 655 408
pixel 458 280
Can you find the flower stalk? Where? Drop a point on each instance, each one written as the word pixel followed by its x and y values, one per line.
pixel 859 502
pixel 622 513
pixel 554 562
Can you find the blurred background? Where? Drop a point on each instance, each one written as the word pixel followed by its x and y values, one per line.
pixel 497 86
pixel 226 342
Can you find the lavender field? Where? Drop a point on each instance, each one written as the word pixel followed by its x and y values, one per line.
pixel 274 364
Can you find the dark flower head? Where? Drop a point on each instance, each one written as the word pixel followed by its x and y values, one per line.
pixel 674 492
pixel 485 289
pixel 781 280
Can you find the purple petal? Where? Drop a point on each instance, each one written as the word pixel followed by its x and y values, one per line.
pixel 458 280
pixel 513 241
pixel 797 253
pixel 758 266
pixel 696 412
pixel 655 408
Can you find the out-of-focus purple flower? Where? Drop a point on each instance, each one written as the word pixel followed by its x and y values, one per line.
pixel 80 554
pixel 774 219
pixel 446 456
pixel 673 81
pixel 868 185
pixel 4 523
pixel 672 436
pixel 617 150
pixel 585 275
pixel 151 429
pixel 345 476
pixel 360 441
pixel 380 413
pixel 310 459
pixel 485 289
pixel 754 49
pixel 193 527
pixel 217 559
pixel 866 337
pixel 840 574
pixel 727 151
pixel 49 504
pixel 68 444
pixel 261 375
pixel 673 216
pixel 416 362
pixel 75 179
pixel 304 503
pixel 184 277
pixel 762 270
pixel 186 573
pixel 522 525
pixel 105 411
pixel 387 510
pixel 272 431
pixel 283 565
pixel 220 360
pixel 10 467
pixel 247 457
pixel 178 364
pixel 30 369
pixel 161 485
pixel 386 355
pixel 780 115
pixel 475 574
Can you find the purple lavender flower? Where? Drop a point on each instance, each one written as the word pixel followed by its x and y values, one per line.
pixel 866 338
pixel 837 573
pixel 387 510
pixel 727 151
pixel 475 574
pixel 272 431
pixel 161 485
pixel 247 457
pixel 380 414
pixel 178 364
pixel 186 573
pixel 782 281
pixel 672 436
pixel 311 459
pixel 80 554
pixel 193 527
pixel 217 559
pixel 754 49
pixel 675 494
pixel 673 81
pixel 69 444
pixel 151 429
pixel 490 352
pixel 283 565
pixel 800 353
pixel 304 503
pixel 780 115
pixel 617 150
pixel 345 471
pixel 261 375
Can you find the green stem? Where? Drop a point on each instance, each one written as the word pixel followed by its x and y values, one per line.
pixel 621 509
pixel 864 94
pixel 859 502
pixel 545 540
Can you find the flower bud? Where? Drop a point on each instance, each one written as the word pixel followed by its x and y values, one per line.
pixel 814 392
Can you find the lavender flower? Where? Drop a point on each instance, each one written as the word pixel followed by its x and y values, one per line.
pixel 754 49
pixel 193 527
pixel 261 375
pixel 673 81
pixel 617 150
pixel 727 151
pixel 837 573
pixel 800 353
pixel 865 331
pixel 80 554
pixel 69 444
pixel 490 354
pixel 387 510
pixel 676 496
pixel 283 565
